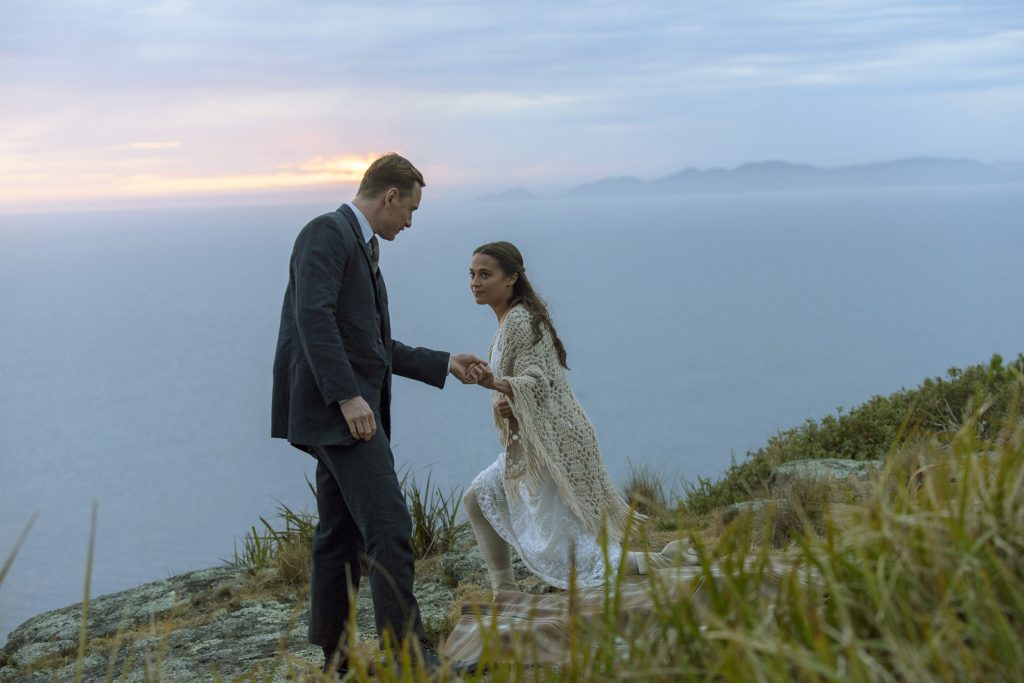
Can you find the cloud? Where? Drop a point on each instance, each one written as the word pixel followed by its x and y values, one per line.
pixel 348 168
pixel 175 93
pixel 173 144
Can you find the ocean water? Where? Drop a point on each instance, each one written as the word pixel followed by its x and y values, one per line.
pixel 136 348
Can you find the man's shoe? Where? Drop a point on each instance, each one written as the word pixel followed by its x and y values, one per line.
pixel 432 661
pixel 429 660
pixel 461 667
pixel 339 668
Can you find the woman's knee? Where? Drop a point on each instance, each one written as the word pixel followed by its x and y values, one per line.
pixel 470 502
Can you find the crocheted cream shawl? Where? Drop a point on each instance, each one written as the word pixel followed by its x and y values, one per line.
pixel 553 431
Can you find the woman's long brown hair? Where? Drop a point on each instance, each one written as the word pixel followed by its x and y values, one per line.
pixel 510 260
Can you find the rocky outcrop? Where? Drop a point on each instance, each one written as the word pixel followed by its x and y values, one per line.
pixel 845 480
pixel 224 620
pixel 186 628
pixel 752 507
pixel 850 471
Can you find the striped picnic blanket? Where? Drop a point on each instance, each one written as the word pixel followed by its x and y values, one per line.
pixel 539 629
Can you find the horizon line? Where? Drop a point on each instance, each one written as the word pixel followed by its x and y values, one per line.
pixel 316 192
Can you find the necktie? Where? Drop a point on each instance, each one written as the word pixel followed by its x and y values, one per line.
pixel 374 253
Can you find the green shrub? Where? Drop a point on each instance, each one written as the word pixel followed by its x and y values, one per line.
pixel 937 408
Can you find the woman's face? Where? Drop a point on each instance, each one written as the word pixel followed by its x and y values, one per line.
pixel 488 282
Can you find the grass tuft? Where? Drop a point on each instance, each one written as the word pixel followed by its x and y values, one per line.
pixel 434 513
pixel 285 547
pixel 644 491
pixel 800 507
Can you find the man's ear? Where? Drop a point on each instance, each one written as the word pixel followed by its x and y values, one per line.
pixel 391 195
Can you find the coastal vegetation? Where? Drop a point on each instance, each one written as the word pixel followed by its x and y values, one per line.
pixel 914 573
pixel 883 425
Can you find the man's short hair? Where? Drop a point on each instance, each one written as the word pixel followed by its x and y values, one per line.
pixel 390 170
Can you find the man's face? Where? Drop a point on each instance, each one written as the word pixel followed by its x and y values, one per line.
pixel 396 215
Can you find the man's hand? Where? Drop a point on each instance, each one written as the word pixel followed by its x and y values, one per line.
pixel 359 416
pixel 466 367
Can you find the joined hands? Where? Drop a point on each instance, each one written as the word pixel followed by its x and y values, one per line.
pixel 476 371
pixel 482 374
pixel 471 370
pixel 466 367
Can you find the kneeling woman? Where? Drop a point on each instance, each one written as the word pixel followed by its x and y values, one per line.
pixel 549 494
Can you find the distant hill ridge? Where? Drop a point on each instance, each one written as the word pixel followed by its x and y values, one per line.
pixel 765 176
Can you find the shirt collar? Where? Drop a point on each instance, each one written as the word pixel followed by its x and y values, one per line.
pixel 364 225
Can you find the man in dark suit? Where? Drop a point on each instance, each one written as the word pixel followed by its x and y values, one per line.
pixel 332 399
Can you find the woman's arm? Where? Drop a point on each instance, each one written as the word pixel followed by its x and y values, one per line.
pixel 523 354
pixel 489 381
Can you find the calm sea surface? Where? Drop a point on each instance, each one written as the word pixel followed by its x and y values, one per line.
pixel 136 348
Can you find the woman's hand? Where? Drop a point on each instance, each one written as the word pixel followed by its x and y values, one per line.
pixel 484 376
pixel 503 408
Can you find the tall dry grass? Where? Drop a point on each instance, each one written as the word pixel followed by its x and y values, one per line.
pixel 434 515
pixel 644 491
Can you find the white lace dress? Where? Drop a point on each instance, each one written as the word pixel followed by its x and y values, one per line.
pixel 541 527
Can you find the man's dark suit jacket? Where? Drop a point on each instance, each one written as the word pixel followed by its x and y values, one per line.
pixel 335 338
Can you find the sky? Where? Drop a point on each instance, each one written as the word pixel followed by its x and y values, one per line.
pixel 110 103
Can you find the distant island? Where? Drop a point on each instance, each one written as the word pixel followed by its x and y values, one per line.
pixel 767 176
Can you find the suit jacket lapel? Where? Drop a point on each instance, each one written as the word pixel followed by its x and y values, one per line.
pixel 353 224
pixel 377 280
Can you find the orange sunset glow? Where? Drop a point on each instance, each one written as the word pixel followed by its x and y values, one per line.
pixel 115 180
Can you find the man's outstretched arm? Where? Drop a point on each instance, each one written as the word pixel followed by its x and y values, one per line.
pixel 431 367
